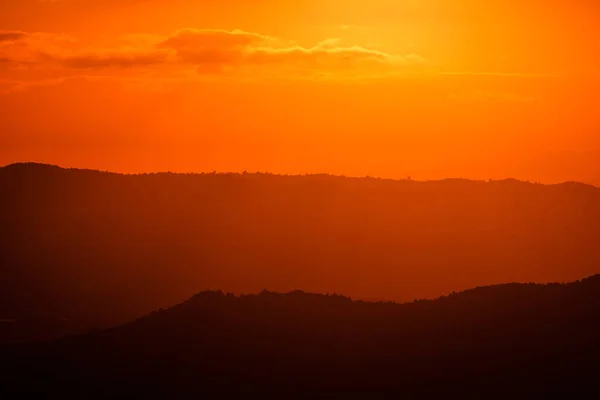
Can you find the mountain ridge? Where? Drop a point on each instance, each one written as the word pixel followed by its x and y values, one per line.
pixel 104 248
pixel 519 339
pixel 31 166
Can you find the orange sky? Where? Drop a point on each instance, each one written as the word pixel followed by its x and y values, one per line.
pixel 426 88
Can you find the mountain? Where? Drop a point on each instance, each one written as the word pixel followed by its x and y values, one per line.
pixel 509 340
pixel 83 249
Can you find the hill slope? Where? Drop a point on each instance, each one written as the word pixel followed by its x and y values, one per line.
pixel 82 249
pixel 515 338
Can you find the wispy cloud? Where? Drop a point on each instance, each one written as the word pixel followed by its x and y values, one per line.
pixel 491 96
pixel 211 51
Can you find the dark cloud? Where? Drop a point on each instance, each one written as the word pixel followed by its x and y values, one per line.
pixel 11 36
pixel 123 59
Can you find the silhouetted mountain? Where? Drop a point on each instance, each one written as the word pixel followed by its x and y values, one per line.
pixel 81 249
pixel 513 339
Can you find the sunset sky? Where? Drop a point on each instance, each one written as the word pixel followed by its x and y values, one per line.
pixel 391 88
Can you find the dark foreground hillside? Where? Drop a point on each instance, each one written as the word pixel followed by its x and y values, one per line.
pixel 510 340
pixel 86 249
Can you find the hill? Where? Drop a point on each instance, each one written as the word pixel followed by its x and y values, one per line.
pixel 514 339
pixel 84 249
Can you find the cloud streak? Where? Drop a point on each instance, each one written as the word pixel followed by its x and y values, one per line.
pixel 210 51
pixel 244 48
pixel 491 97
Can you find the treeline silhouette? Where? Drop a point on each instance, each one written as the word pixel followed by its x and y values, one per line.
pixel 509 340
pixel 81 249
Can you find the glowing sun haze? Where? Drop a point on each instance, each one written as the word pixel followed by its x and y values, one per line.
pixel 426 88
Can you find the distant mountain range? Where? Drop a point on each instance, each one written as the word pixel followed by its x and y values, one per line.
pixel 512 340
pixel 84 249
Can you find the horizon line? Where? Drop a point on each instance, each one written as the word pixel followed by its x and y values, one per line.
pixel 240 295
pixel 308 174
